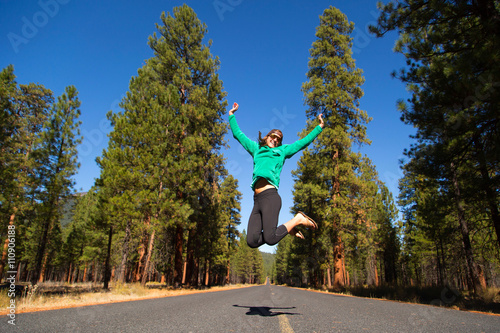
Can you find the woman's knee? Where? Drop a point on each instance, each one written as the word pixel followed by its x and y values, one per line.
pixel 274 235
pixel 272 242
pixel 252 243
pixel 270 238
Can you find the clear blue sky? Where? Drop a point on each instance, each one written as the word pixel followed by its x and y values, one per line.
pixel 263 46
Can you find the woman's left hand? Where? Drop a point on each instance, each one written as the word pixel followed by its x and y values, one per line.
pixel 234 109
pixel 321 122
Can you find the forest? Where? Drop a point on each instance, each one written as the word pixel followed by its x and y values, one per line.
pixel 166 209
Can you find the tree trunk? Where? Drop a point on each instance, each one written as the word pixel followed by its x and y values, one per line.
pixel 96 274
pixel 38 274
pixel 178 262
pixel 188 280
pixel 482 279
pixel 338 251
pixel 184 272
pixel 126 240
pixel 108 259
pixel 84 279
pixel 443 263
pixel 44 253
pixel 207 273
pixel 469 256
pixel 140 261
pixel 196 271
pixel 148 258
pixel 338 262
pixel 74 274
pixel 69 273
pixel 228 270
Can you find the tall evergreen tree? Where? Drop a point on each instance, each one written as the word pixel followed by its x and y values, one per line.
pixel 163 165
pixel 23 111
pixel 453 70
pixel 184 61
pixel 228 217
pixel 326 178
pixel 139 164
pixel 58 152
pixel 387 234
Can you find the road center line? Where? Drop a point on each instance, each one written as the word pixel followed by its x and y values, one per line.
pixel 285 325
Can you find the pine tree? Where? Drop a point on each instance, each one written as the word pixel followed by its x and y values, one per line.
pixel 228 218
pixel 247 264
pixel 184 61
pixel 452 57
pixel 240 261
pixel 431 234
pixel 326 177
pixel 163 166
pixel 58 151
pixel 138 165
pixel 281 261
pixel 387 234
pixel 23 111
pixel 258 267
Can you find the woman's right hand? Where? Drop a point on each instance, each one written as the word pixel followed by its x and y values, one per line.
pixel 234 109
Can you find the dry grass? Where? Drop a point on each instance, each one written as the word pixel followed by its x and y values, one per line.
pixel 487 301
pixel 50 296
pixel 491 295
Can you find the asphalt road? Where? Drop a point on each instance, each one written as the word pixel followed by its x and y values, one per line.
pixel 263 308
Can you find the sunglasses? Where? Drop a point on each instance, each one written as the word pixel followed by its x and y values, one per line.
pixel 275 137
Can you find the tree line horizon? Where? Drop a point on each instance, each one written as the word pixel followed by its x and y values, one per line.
pixel 165 208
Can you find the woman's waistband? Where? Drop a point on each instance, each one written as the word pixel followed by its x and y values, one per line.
pixel 265 193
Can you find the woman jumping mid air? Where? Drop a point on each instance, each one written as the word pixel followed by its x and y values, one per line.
pixel 268 158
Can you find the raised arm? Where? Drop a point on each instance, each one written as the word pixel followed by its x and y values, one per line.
pixel 298 145
pixel 249 145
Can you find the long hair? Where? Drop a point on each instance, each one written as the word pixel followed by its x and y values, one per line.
pixel 262 140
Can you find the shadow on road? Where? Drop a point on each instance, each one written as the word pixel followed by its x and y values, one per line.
pixel 266 311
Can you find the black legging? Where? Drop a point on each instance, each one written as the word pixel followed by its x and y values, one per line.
pixel 263 222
